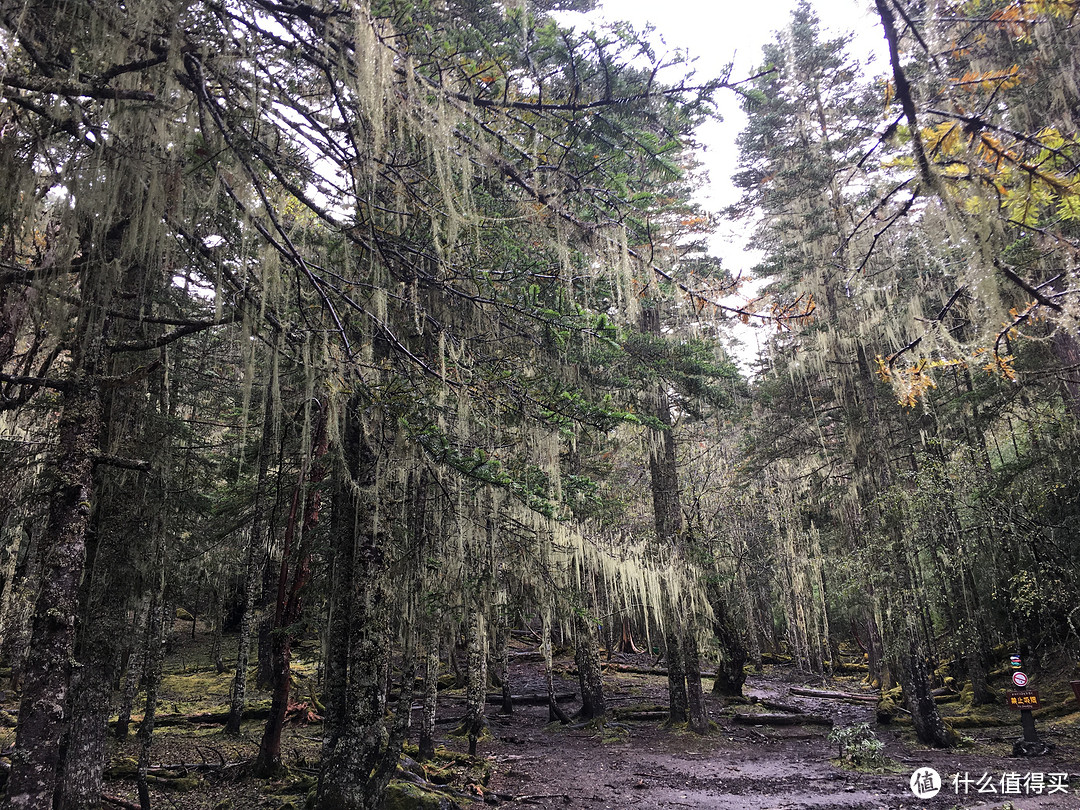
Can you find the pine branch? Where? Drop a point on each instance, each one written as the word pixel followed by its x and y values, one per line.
pixel 122 463
pixel 165 339
pixel 57 87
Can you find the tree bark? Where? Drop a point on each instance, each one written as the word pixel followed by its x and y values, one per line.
pixel 476 685
pixel 431 692
pixel 43 719
pixel 925 717
pixel 136 662
pixel 731 670
pixel 253 568
pixel 295 568
pixel 678 702
pixel 502 655
pixel 554 711
pixel 357 767
pixel 697 710
pixel 591 679
pixel 160 621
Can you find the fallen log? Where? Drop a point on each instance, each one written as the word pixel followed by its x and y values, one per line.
pixel 817 693
pixel 779 707
pixel 620 714
pixel 532 700
pixel 781 720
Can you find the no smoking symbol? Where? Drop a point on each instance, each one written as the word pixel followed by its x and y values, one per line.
pixel 1020 679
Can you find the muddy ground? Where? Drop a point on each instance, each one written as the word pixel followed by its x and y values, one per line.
pixel 756 767
pixel 640 764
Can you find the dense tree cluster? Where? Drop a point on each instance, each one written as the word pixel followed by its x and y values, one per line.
pixel 390 324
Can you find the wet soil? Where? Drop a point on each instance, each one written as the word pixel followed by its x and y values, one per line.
pixel 645 765
pixel 639 764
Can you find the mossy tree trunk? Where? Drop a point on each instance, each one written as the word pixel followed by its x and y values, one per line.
pixel 43 717
pixel 363 744
pixel 925 717
pixel 502 658
pixel 253 567
pixel 697 709
pixel 431 692
pixel 135 664
pixel 590 677
pixel 678 701
pixel 476 679
pixel 730 670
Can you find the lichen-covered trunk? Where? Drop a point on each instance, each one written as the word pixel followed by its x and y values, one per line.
pixel 84 754
pixel 730 670
pixel 364 749
pixel 43 717
pixel 431 692
pixel 135 664
pixel 160 620
pixel 668 520
pixel 342 548
pixel 357 769
pixel 476 684
pixel 217 617
pixel 925 717
pixel 502 655
pixel 590 677
pixel 554 710
pixel 253 568
pixel 697 710
pixel 678 701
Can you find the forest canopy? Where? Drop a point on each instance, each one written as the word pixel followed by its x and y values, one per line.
pixel 394 325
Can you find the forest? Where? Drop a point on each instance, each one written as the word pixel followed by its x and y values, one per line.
pixel 364 363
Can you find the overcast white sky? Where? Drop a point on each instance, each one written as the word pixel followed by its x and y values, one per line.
pixel 721 31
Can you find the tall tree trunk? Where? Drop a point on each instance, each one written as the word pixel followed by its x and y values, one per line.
pixel 160 622
pixel 476 686
pixel 678 701
pixel 925 717
pixel 587 658
pixel 874 652
pixel 295 568
pixel 667 516
pixel 356 771
pixel 431 691
pixel 217 618
pixel 697 710
pixel 43 719
pixel 730 671
pixel 502 656
pixel 357 767
pixel 555 712
pixel 342 550
pixel 253 567
pixel 135 665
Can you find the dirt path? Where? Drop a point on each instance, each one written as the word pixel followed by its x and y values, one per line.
pixel 645 766
pixel 637 764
